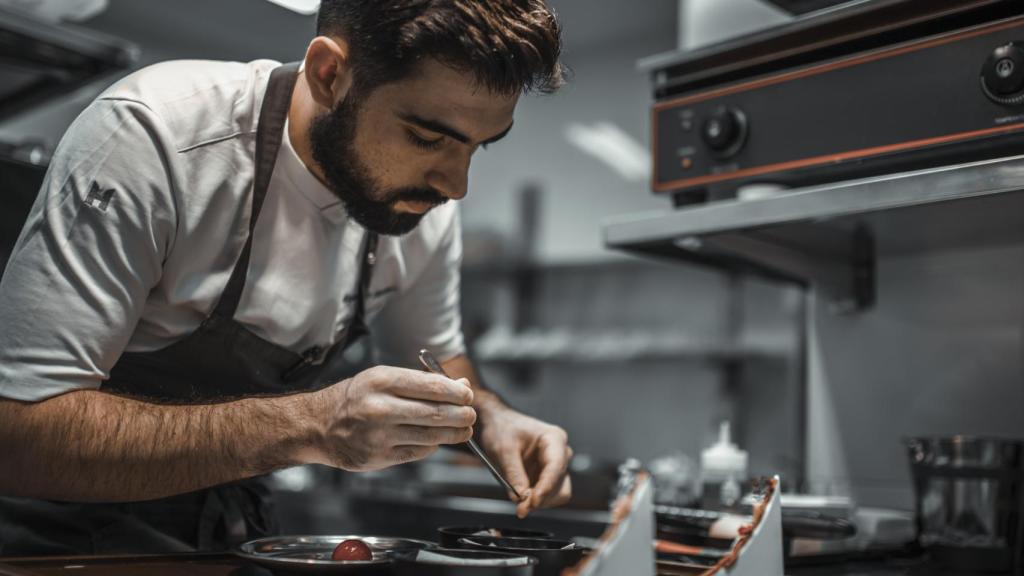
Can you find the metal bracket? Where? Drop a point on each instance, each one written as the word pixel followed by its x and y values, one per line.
pixel 838 262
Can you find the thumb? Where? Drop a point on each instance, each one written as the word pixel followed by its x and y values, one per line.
pixel 515 473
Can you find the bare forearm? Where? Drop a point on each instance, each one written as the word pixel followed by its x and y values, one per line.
pixel 93 446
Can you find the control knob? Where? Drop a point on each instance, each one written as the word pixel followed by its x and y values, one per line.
pixel 1002 75
pixel 725 131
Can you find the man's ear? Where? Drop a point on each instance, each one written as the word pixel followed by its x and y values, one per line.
pixel 328 70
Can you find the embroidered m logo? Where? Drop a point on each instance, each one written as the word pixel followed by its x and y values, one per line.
pixel 98 198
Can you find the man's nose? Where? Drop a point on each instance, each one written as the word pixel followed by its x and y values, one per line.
pixel 452 181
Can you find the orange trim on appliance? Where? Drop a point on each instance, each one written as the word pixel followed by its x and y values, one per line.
pixel 654 150
pixel 828 158
pixel 785 77
pixel 861 34
pixel 821 68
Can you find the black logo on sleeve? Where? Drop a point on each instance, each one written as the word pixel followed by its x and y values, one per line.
pixel 98 198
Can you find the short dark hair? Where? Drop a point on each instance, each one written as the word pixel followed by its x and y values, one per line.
pixel 509 46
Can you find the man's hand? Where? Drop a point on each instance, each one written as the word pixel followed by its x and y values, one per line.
pixel 533 455
pixel 385 416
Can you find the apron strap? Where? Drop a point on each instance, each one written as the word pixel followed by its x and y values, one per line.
pixel 269 135
pixel 365 275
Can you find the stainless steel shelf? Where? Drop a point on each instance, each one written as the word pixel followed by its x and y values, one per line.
pixel 829 236
pixel 609 346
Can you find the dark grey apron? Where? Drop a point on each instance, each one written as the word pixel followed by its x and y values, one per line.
pixel 221 360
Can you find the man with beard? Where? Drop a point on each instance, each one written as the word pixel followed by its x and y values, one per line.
pixel 209 240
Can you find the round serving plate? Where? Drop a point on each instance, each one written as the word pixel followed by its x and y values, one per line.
pixel 312 554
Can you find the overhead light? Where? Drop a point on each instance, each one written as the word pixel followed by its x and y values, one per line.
pixel 613 147
pixel 304 7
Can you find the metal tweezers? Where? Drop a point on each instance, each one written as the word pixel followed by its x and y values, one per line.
pixel 431 364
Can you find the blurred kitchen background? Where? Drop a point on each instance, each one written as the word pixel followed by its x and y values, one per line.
pixel 636 357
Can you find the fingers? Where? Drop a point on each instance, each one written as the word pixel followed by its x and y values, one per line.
pixel 418 385
pixel 554 457
pixel 523 507
pixel 387 416
pixel 423 413
pixel 405 434
pixel 558 498
pixel 511 463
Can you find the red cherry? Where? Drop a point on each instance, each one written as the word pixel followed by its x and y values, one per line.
pixel 352 550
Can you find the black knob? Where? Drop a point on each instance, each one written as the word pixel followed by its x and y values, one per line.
pixel 725 131
pixel 1002 76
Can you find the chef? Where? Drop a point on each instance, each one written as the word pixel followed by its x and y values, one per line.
pixel 211 242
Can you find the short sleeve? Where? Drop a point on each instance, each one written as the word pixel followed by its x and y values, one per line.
pixel 427 313
pixel 90 251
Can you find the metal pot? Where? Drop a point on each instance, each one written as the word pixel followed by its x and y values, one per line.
pixel 969 496
pixel 411 563
pixel 450 534
pixel 553 555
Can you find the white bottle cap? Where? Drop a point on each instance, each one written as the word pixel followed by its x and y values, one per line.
pixel 724 457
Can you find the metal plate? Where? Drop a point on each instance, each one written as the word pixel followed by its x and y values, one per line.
pixel 312 554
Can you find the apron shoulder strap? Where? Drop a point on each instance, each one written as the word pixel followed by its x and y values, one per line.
pixel 369 258
pixel 269 134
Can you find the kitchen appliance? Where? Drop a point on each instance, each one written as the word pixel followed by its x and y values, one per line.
pixel 863 89
pixel 969 496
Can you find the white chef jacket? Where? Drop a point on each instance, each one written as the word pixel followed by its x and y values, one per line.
pixel 144 211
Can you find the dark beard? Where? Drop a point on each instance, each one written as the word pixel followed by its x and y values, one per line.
pixel 332 137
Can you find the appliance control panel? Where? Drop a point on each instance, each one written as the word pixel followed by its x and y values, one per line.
pixel 1002 76
pixel 959 93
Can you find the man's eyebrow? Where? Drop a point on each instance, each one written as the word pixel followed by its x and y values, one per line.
pixel 442 128
pixel 494 139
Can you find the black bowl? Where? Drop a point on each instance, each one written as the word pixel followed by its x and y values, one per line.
pixel 450 534
pixel 552 554
pixel 407 564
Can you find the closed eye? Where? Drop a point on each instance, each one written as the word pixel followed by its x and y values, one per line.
pixel 444 130
pixel 423 143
